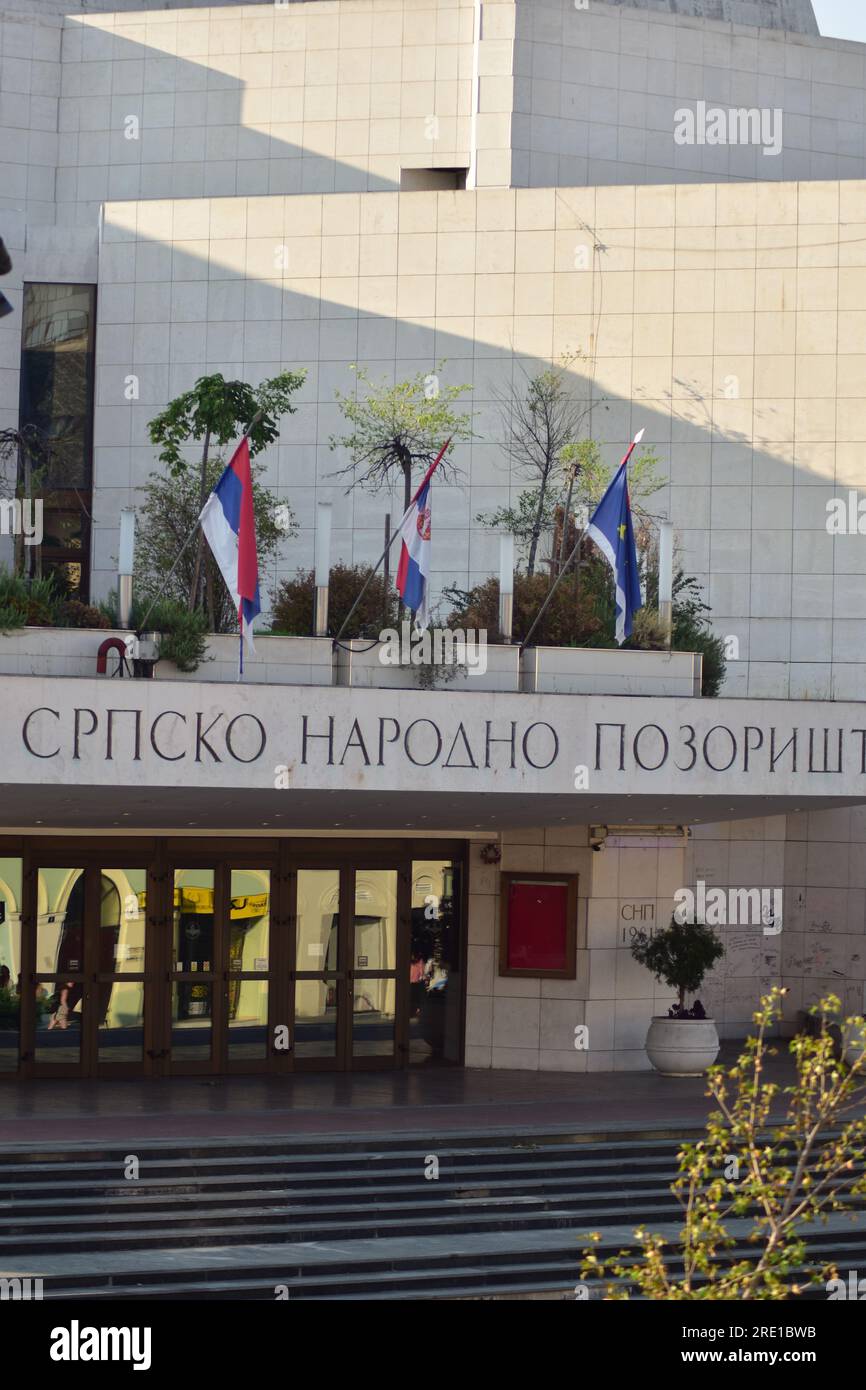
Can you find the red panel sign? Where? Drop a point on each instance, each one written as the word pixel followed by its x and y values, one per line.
pixel 537 926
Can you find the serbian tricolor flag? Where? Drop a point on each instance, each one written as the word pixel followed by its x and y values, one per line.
pixel 228 521
pixel 414 565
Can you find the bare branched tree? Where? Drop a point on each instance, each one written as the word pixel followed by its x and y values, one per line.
pixel 542 416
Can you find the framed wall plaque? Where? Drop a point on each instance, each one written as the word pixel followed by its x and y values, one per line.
pixel 538 925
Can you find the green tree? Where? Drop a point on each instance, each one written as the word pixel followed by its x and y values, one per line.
pixel 592 476
pixel 395 430
pixel 214 413
pixel 534 512
pixel 773 1179
pixel 680 955
pixel 171 508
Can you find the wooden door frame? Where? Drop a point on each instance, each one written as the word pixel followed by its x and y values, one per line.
pixel 283 856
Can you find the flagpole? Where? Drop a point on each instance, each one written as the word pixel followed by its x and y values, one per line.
pixel 563 568
pixel 143 625
pixel 395 534
pixel 371 575
pixel 258 415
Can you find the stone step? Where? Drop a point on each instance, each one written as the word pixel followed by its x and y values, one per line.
pixel 138 1196
pixel 313 1224
pixel 508 1215
pixel 463 1272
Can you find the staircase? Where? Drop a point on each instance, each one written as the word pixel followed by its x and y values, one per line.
pixel 340 1218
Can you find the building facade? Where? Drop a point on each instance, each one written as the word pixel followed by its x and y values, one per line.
pixel 668 200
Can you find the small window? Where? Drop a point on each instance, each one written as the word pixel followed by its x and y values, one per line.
pixel 421 180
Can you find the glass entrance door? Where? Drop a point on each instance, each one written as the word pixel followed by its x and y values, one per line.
pixel 248 966
pixel 195 1001
pixel 62 998
pixel 320 956
pixel 89 978
pixel 373 980
pixel 220 975
pixel 346 979
pixel 321 974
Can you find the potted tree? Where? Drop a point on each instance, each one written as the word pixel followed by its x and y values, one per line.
pixel 685 1042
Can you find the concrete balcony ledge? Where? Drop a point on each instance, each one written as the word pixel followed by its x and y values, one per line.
pixel 315 661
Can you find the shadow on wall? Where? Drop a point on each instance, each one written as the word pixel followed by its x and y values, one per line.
pixel 252 109
pixel 749 504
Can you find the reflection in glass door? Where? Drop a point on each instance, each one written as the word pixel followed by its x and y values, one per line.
pixel 120 966
pixel 61 1005
pixel 247 946
pixel 89 979
pixel 319 977
pixel 435 965
pixel 11 883
pixel 373 971
pixel 193 968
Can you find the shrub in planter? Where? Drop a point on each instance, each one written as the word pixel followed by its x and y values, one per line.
pixel 72 613
pixel 686 1042
pixel 26 603
pixel 183 635
pixel 294 603
pixel 572 619
pixel 648 633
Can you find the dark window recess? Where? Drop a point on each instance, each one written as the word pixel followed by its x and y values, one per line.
pixel 57 355
pixel 422 180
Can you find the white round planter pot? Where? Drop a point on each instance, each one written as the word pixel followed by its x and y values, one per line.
pixel 682 1046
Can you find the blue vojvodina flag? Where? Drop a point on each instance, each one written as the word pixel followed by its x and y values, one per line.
pixel 611 529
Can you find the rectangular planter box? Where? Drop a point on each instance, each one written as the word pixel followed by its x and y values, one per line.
pixel 277 661
pixel 72 651
pixel 313 661
pixel 54 651
pixel 357 663
pixel 607 671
